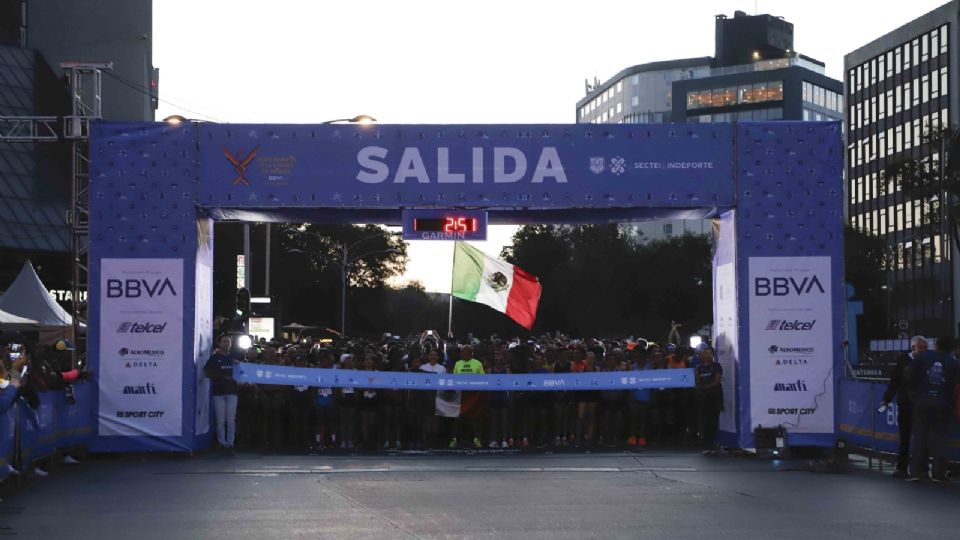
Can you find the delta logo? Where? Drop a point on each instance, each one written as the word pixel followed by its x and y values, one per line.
pixel 791 362
pixel 141 364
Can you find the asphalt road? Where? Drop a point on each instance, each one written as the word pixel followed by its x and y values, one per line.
pixel 658 494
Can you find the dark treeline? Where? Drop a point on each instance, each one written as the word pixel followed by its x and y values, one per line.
pixel 597 280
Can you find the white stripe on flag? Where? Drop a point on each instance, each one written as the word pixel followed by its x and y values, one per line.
pixel 497 299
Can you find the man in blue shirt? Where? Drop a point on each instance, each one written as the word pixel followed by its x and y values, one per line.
pixel 709 394
pixel 219 369
pixel 932 376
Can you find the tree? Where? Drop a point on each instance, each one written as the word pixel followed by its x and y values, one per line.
pixel 596 281
pixel 932 178
pixel 865 257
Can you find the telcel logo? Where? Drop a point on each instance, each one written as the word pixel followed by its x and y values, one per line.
pixel 786 286
pixel 136 288
pixel 141 328
pixel 787 325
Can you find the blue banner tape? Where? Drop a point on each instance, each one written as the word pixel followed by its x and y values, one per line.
pixel 338 378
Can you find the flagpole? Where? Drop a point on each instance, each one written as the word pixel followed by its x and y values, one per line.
pixel 450 312
pixel 450 318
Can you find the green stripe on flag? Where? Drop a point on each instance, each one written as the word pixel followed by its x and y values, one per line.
pixel 467 271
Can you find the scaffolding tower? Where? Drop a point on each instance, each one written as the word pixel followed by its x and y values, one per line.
pixel 84 79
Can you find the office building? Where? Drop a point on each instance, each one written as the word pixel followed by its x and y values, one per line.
pixel 35 177
pixel 754 75
pixel 901 88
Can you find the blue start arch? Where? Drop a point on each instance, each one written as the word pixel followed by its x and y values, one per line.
pixel 774 189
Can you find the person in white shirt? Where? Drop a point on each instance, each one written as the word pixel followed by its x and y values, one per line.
pixel 432 365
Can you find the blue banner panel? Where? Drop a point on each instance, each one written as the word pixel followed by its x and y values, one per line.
pixel 486 166
pixel 75 422
pixel 8 432
pixel 859 421
pixel 338 378
pixel 38 428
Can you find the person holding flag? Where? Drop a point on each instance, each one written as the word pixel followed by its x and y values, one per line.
pixel 471 403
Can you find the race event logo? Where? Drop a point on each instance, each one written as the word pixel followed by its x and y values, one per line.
pixel 802 351
pixel 240 164
pixel 788 325
pixel 131 327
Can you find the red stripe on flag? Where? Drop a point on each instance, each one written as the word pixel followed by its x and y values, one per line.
pixel 523 299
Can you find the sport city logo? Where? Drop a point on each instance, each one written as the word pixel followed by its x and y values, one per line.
pixel 801 351
pixel 788 325
pixel 131 327
pixel 797 386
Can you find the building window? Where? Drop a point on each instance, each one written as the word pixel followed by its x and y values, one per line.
pixel 619 86
pixel 668 229
pixel 944 41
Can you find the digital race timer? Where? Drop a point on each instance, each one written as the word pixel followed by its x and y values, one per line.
pixel 433 224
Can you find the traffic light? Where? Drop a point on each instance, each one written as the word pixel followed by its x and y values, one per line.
pixel 242 314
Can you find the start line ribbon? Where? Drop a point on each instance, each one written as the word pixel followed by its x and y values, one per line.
pixel 405 380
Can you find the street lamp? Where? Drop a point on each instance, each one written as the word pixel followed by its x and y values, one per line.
pixel 359 119
pixel 344 263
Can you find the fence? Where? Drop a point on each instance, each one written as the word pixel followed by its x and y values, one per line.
pixel 868 431
pixel 28 435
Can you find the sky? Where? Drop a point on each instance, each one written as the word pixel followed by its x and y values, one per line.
pixel 452 62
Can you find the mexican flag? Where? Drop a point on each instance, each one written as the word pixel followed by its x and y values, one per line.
pixel 468 404
pixel 498 284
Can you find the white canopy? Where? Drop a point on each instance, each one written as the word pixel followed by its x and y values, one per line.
pixel 27 297
pixel 9 321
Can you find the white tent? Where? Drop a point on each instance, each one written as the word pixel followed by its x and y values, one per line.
pixel 8 321
pixel 28 297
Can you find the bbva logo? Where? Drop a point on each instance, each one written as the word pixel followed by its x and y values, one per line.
pixel 136 288
pixel 786 286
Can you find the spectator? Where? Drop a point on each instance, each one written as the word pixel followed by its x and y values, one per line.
pixel 219 369
pixel 933 377
pixel 896 389
pixel 709 394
